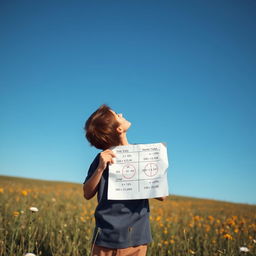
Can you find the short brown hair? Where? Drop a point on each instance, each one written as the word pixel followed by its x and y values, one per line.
pixel 101 128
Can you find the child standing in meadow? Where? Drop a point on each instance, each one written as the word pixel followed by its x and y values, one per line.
pixel 122 226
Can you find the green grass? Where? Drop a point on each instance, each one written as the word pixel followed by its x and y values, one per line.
pixel 64 222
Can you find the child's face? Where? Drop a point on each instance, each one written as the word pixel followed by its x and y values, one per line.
pixel 124 124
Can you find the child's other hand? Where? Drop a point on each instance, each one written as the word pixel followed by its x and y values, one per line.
pixel 106 157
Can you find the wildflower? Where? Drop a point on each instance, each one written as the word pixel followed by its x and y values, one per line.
pixel 228 236
pixel 1 190
pixel 244 249
pixel 196 218
pixel 211 218
pixel 29 254
pixel 191 225
pixel 254 240
pixel 33 209
pixel 24 192
pixel 207 228
pixel 15 213
pixel 231 222
pixel 242 222
pixel 191 251
pixel 158 218
pixel 168 219
pixel 222 230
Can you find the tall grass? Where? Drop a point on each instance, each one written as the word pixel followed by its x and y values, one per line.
pixel 64 222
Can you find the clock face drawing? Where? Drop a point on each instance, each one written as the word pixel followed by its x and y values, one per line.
pixel 151 169
pixel 128 171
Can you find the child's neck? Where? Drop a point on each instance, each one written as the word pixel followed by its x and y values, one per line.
pixel 123 139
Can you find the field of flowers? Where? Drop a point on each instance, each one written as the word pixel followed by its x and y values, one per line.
pixel 52 218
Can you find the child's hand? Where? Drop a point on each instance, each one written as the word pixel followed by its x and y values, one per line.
pixel 106 157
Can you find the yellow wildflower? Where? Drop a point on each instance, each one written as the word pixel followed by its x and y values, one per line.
pixel 207 228
pixel 158 218
pixel 228 236
pixel 231 222
pixel 15 213
pixel 197 218
pixel 211 218
pixel 1 190
pixel 165 242
pixel 24 192
pixel 168 219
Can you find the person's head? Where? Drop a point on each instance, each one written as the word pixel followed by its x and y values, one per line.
pixel 105 127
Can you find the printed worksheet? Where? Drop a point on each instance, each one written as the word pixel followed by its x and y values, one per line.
pixel 139 172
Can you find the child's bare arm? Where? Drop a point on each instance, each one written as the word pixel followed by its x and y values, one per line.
pixel 91 185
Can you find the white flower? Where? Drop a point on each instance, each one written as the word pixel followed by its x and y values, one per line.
pixel 243 249
pixel 33 209
pixel 29 254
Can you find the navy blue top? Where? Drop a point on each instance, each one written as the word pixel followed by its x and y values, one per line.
pixel 119 223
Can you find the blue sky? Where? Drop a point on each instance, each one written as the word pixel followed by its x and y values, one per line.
pixel 183 72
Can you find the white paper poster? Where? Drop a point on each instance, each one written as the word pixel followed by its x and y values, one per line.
pixel 139 172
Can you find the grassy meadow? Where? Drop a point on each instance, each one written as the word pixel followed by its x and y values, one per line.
pixel 64 222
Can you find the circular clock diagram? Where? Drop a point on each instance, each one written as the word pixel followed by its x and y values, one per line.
pixel 151 169
pixel 128 171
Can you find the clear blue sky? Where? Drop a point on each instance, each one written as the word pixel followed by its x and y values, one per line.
pixel 183 72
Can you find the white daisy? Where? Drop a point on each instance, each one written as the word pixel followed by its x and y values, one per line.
pixel 33 209
pixel 244 249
